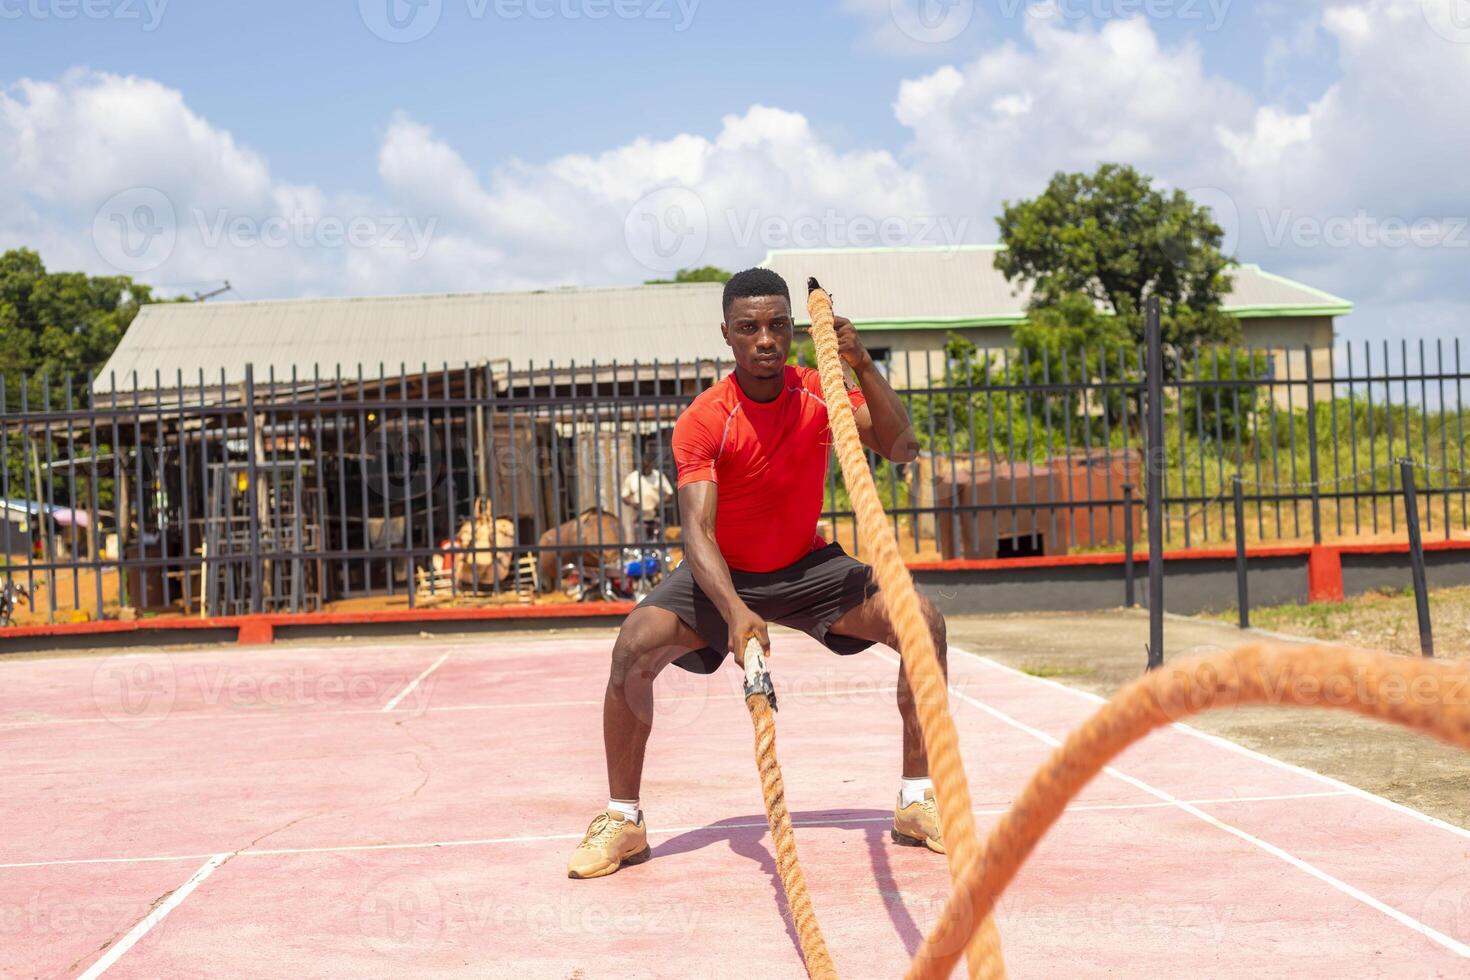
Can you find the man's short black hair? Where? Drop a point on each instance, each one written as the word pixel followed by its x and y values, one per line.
pixel 754 282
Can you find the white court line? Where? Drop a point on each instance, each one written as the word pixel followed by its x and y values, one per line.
pixel 153 918
pixel 414 683
pixel 1429 932
pixel 665 832
pixel 1239 749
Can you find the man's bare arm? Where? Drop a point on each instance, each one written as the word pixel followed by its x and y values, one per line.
pixel 697 504
pixel 883 423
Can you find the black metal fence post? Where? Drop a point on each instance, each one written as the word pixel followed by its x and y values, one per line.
pixel 257 576
pixel 1130 599
pixel 1313 463
pixel 1416 557
pixel 1242 590
pixel 1156 460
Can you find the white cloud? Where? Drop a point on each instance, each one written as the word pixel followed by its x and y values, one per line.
pixel 1379 149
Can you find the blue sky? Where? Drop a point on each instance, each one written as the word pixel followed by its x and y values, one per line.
pixel 522 135
pixel 309 85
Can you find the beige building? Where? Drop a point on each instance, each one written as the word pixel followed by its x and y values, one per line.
pixel 907 300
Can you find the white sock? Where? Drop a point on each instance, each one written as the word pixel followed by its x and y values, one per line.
pixel 628 808
pixel 911 791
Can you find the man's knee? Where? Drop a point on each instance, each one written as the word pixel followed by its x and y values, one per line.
pixel 935 622
pixel 636 652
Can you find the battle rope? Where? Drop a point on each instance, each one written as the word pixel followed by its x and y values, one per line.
pixel 1408 692
pixel 920 664
pixel 760 698
pixel 1414 693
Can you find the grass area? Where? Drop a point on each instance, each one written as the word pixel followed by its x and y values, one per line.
pixel 1055 670
pixel 1383 620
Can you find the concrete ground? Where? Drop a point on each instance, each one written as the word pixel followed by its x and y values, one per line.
pixel 1100 652
pixel 405 808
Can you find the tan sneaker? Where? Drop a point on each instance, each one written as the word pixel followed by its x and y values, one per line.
pixel 917 825
pixel 611 842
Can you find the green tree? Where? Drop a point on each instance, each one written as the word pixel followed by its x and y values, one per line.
pixel 705 273
pixel 59 324
pixel 1113 237
pixel 56 326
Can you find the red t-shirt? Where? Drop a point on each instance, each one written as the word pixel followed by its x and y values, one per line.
pixel 769 460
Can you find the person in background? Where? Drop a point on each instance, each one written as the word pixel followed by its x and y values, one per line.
pixel 645 491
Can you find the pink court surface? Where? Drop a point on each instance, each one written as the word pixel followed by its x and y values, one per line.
pixel 407 810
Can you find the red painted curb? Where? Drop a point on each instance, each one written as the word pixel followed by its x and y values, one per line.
pixel 261 628
pixel 1324 575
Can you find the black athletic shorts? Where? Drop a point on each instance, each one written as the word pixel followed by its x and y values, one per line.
pixel 809 595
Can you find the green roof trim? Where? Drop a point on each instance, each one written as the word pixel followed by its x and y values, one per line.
pixel 1011 320
pixel 950 323
pixel 1257 312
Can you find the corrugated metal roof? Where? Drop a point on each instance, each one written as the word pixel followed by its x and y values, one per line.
pixel 670 323
pixel 961 284
pixel 911 287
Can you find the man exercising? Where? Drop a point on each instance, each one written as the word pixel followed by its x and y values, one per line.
pixel 751 454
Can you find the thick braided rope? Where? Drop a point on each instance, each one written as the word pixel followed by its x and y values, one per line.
pixel 814 953
pixel 1425 695
pixel 920 664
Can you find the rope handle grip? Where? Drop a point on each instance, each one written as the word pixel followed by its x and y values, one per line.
pixel 757 677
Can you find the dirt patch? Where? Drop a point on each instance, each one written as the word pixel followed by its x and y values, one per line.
pixel 1101 652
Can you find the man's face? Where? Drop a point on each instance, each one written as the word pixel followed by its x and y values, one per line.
pixel 758 330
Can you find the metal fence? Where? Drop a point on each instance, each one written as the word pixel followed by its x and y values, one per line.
pixel 492 483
